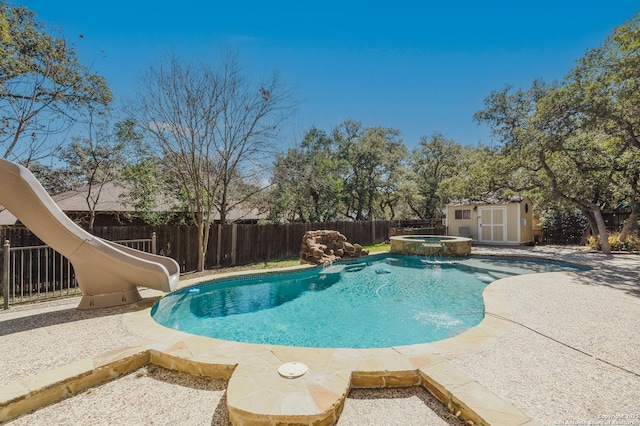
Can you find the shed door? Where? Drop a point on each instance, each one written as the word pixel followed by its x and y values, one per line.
pixel 492 224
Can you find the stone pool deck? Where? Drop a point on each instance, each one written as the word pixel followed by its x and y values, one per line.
pixel 553 349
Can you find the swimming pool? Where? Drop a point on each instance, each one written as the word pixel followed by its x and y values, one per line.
pixel 388 300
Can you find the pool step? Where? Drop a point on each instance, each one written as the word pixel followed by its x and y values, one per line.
pixel 336 269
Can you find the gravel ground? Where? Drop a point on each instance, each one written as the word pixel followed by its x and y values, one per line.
pixel 157 392
pixel 402 406
pixel 149 396
pixel 41 336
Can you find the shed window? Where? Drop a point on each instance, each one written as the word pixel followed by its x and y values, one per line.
pixel 463 214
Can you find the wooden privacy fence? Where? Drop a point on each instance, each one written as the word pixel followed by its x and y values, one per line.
pixel 237 244
pixel 37 267
pixel 283 241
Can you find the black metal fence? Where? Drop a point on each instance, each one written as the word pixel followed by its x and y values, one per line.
pixel 31 273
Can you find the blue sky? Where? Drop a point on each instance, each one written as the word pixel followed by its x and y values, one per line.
pixel 419 67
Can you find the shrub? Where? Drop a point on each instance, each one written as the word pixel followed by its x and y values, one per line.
pixel 631 243
pixel 563 226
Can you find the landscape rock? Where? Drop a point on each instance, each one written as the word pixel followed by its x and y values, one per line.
pixel 326 246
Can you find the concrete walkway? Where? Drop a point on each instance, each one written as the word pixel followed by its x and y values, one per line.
pixel 572 355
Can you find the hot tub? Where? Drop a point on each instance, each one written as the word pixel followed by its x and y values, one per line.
pixel 431 245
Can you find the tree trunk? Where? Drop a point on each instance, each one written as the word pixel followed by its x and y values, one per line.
pixel 205 242
pixel 219 246
pixel 591 220
pixel 632 222
pixel 201 240
pixel 594 216
pixel 602 230
pixel 315 197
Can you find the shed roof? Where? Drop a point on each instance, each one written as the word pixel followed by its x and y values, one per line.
pixel 488 200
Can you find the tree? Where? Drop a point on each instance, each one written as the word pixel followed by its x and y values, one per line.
pixel 605 86
pixel 289 198
pixel 150 192
pixel 434 160
pixel 375 162
pixel 594 121
pixel 5 38
pixel 99 158
pixel 209 128
pixel 546 148
pixel 249 118
pixel 324 177
pixel 43 87
pixel 479 175
pixel 308 180
pixel 55 180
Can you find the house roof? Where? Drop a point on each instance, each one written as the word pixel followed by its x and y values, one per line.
pixel 488 200
pixel 111 200
pixel 238 214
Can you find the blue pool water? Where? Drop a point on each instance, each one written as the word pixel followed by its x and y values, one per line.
pixel 386 301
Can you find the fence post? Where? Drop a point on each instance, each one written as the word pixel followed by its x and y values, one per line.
pixel 5 274
pixel 154 243
pixel 234 243
pixel 373 231
pixel 219 245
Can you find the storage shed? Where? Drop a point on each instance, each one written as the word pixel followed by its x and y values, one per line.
pixel 507 220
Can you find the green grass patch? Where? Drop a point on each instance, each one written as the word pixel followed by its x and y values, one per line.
pixel 378 247
pixel 269 264
pixel 272 264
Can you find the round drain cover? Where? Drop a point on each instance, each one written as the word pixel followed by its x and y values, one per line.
pixel 291 370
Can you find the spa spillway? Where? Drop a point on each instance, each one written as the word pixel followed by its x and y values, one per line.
pixel 431 245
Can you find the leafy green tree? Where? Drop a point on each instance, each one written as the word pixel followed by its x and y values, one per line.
pixel 605 88
pixel 149 189
pixel 289 198
pixel 434 160
pixel 43 87
pixel 632 176
pixel 308 180
pixel 5 38
pixel 324 177
pixel 606 85
pixel 374 158
pixel 478 176
pixel 547 149
pixel 150 193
